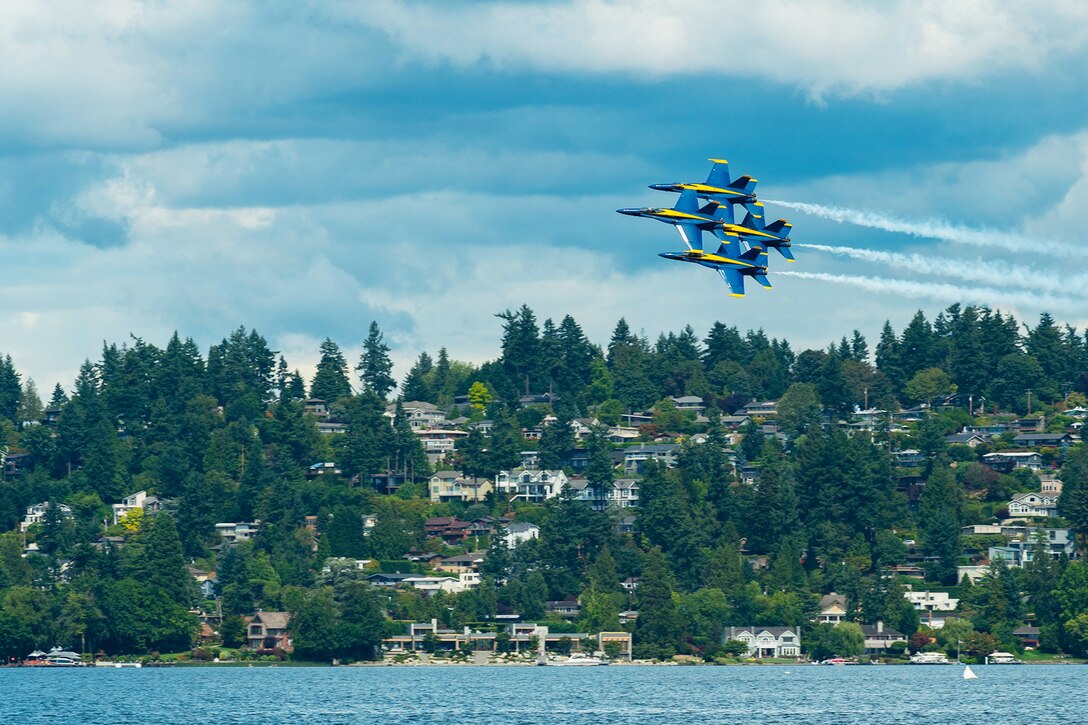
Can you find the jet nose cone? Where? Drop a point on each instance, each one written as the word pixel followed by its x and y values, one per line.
pixel 630 211
pixel 661 187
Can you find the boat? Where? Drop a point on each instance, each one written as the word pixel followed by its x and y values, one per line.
pixel 929 658
pixel 968 673
pixel 105 663
pixel 1003 658
pixel 836 661
pixel 578 659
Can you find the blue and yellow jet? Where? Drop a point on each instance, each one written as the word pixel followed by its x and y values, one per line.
pixel 689 219
pixel 718 187
pixel 731 262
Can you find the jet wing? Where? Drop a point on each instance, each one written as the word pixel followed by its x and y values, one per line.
pixel 734 279
pixel 692 235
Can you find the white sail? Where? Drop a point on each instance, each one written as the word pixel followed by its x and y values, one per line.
pixel 968 674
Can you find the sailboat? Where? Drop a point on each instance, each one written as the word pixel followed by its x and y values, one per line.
pixel 968 674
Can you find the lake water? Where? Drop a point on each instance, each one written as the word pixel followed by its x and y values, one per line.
pixel 936 695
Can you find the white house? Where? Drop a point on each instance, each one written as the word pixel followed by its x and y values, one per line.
pixel 524 485
pixel 36 514
pixel 138 500
pixel 439 442
pixel 235 532
pixel 931 601
pixel 420 415
pixel 767 641
pixel 519 532
pixel 1034 504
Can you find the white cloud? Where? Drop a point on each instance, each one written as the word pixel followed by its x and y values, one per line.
pixel 823 46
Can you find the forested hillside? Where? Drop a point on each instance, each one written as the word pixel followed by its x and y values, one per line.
pixel 745 524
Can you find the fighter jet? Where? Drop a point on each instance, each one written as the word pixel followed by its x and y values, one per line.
pixel 718 187
pixel 731 262
pixel 776 234
pixel 688 218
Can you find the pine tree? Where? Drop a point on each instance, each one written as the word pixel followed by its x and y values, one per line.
pixel 30 404
pixel 416 384
pixel 375 368
pixel 10 388
pixel 659 624
pixel 330 381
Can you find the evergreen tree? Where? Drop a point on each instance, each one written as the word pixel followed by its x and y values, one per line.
pixel 30 404
pixel 659 624
pixel 10 388
pixel 375 368
pixel 940 510
pixel 417 383
pixel 162 566
pixel 521 348
pixel 330 382
pixel 59 397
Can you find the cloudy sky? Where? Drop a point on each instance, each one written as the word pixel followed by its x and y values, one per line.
pixel 305 168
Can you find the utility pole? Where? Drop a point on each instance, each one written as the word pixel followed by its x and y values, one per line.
pixel 1029 401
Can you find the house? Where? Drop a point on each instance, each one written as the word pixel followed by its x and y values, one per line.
pixel 1007 461
pixel 322 468
pixel 518 532
pixel 446 486
pixel 1038 440
pixel 36 514
pixel 1030 425
pixel 232 533
pixel 439 442
pixel 973 572
pixel 567 609
pixel 330 428
pixel 623 493
pixel 634 420
pixel 926 601
pixel 634 458
pixel 1049 484
pixel 1028 635
pixel 981 530
pixel 316 407
pixel 461 563
pixel 622 434
pixel 268 630
pixel 735 421
pixel 526 401
pixel 450 529
pixel 878 637
pixel 426 585
pixel 14 464
pixel 768 409
pixel 521 484
pixel 1021 547
pixel 689 402
pixel 767 641
pixel 832 608
pixel 420 415
pixel 971 440
pixel 1033 504
pixel 523 636
pixel 908 458
pixel 138 500
pixel 626 524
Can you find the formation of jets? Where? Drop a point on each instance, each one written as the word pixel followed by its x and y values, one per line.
pixel 741 247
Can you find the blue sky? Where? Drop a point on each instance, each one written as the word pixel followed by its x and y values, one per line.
pixel 304 168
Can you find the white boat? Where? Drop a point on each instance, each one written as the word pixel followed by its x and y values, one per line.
pixel 968 673
pixel 578 660
pixel 1003 658
pixel 929 658
pixel 104 663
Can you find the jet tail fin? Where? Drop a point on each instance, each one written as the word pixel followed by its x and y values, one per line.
pixel 754 218
pixel 719 174
pixel 780 228
pixel 786 252
pixel 688 202
pixel 752 255
pixel 745 183
pixel 761 279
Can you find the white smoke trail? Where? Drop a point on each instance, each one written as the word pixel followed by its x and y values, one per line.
pixel 929 228
pixel 939 292
pixel 998 274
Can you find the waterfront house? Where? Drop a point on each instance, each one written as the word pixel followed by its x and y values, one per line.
pixel 268 630
pixel 832 608
pixel 878 637
pixel 767 641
